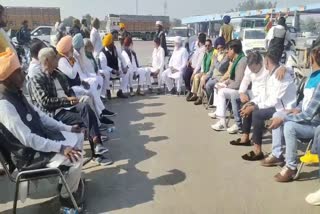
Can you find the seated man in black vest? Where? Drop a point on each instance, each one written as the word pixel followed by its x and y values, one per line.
pixel 113 64
pixel 53 96
pixel 34 139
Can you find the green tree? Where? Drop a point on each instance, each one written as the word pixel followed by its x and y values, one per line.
pixel 69 21
pixel 254 5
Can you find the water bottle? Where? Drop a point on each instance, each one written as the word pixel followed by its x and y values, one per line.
pixel 66 210
pixel 111 129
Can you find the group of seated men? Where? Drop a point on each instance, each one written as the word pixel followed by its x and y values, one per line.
pixel 262 95
pixel 69 83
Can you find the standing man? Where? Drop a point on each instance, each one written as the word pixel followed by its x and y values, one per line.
pixel 85 31
pixel 24 35
pixel 4 38
pixel 226 31
pixel 96 38
pixel 76 28
pixel 123 33
pixel 277 37
pixel 162 36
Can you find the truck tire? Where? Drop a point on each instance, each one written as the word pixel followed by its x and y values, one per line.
pixel 148 37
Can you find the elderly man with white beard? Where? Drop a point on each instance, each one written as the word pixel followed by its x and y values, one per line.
pixel 177 65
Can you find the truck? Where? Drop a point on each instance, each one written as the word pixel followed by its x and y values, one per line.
pixel 139 26
pixel 36 16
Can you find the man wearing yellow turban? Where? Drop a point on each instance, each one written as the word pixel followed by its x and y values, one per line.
pixel 109 59
pixel 123 33
pixel 25 130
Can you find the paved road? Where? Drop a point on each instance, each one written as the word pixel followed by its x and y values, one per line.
pixel 168 160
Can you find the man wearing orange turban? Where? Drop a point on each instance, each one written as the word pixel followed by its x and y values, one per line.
pixel 25 130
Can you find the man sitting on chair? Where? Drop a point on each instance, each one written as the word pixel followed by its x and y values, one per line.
pixel 134 69
pixel 36 140
pixel 113 65
pixel 293 124
pixel 158 63
pixel 177 65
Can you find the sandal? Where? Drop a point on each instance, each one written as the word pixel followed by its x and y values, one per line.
pixel 251 156
pixel 239 143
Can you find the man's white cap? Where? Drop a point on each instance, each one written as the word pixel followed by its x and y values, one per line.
pixel 178 40
pixel 159 23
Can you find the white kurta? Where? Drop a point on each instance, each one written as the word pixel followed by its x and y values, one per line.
pixel 71 71
pixel 133 69
pixel 178 61
pixel 13 123
pixel 96 41
pixel 158 63
pixel 106 70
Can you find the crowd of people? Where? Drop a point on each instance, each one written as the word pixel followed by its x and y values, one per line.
pixel 69 85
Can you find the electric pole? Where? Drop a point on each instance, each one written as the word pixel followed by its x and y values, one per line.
pixel 137 7
pixel 165 7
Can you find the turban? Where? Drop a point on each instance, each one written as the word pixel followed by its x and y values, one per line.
pixel 226 19
pixel 219 41
pixel 64 45
pixel 122 25
pixel 107 40
pixel 127 41
pixel 178 40
pixel 9 63
pixel 159 23
pixel 77 41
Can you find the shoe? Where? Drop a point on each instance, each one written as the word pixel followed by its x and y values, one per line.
pixel 193 98
pixel 309 158
pixel 314 198
pixel 173 91
pixel 106 121
pixel 213 115
pixel 189 95
pixel 107 113
pixel 139 93
pixel 252 156
pixel 233 129
pixel 104 161
pixel 121 95
pixel 272 161
pixel 131 92
pixel 286 175
pixel 100 149
pixel 109 95
pixel 159 91
pixel 219 126
pixel 198 102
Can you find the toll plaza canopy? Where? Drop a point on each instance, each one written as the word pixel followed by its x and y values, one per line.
pixel 310 8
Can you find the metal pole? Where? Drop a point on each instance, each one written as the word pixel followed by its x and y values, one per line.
pixel 137 7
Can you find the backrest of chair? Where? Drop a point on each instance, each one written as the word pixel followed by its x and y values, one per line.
pixel 300 90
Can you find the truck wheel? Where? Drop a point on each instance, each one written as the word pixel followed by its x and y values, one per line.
pixel 148 36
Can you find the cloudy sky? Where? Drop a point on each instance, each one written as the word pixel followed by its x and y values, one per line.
pixel 176 8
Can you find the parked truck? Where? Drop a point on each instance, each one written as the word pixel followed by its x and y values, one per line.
pixel 140 26
pixel 36 16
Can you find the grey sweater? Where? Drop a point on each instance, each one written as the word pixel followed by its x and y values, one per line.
pixel 240 69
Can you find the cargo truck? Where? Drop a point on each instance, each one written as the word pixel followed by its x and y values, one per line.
pixel 140 26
